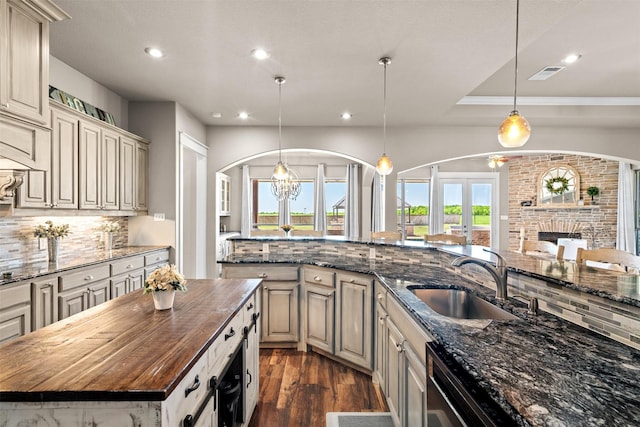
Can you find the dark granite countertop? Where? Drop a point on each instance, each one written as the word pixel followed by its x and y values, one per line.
pixel 542 370
pixel 84 259
pixel 608 284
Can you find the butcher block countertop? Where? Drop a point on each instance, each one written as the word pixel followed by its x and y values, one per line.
pixel 123 349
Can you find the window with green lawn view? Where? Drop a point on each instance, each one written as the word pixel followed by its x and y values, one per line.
pixel 416 207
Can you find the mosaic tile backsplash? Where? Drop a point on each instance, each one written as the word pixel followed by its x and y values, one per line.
pixel 18 245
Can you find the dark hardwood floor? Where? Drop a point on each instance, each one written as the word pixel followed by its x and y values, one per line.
pixel 298 389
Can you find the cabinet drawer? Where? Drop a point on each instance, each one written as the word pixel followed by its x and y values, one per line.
pixel 380 294
pixel 192 390
pixel 83 277
pixel 156 258
pixel 265 272
pixel 318 276
pixel 223 347
pixel 10 295
pixel 248 310
pixel 126 265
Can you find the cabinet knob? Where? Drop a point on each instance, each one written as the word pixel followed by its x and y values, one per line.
pixel 5 105
pixel 352 280
pixel 129 266
pixel 380 296
pixel 54 205
pixel 89 277
pixel 262 275
pixel 157 258
pixel 317 279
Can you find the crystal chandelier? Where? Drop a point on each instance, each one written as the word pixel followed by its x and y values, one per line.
pixel 515 130
pixel 384 165
pixel 285 183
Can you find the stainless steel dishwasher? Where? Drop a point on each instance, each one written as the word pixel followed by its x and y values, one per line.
pixel 453 400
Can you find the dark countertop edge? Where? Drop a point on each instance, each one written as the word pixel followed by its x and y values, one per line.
pixel 117 254
pixel 126 395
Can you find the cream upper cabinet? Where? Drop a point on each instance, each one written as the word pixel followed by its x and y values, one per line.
pixel 225 194
pixel 56 188
pixel 99 165
pixel 134 166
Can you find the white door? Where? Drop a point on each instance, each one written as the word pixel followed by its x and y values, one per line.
pixel 469 206
pixel 191 247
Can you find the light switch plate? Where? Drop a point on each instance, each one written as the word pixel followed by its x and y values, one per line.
pixel 158 217
pixel 372 253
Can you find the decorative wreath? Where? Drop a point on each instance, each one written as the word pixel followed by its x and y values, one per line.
pixel 557 185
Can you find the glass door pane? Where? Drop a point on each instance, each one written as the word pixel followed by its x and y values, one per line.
pixel 452 193
pixel 481 214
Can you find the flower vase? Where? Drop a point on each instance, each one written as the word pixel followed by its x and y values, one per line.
pixel 108 241
pixel 163 300
pixel 53 248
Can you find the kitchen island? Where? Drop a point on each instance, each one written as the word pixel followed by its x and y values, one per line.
pixel 540 369
pixel 125 363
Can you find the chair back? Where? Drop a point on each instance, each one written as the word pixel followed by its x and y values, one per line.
pixel 541 247
pixel 449 239
pixel 610 258
pixel 389 235
pixel 266 233
pixel 308 233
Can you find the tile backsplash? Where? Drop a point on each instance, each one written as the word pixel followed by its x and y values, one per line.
pixel 19 246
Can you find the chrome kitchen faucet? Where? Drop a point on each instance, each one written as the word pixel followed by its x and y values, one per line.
pixel 498 272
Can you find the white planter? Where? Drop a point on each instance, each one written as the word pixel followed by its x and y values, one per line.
pixel 163 300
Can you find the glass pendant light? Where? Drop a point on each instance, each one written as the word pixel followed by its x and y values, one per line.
pixel 384 165
pixel 285 183
pixel 515 130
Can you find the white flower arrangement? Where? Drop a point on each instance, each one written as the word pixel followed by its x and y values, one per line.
pixel 51 231
pixel 110 227
pixel 165 278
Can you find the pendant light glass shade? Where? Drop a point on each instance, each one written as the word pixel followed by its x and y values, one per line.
pixel 515 130
pixel 384 165
pixel 285 183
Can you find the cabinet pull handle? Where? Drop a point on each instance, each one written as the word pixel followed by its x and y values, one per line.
pixel 262 275
pixel 351 280
pixel 5 105
pixel 231 333
pixel 250 378
pixel 89 277
pixel 194 387
pixel 250 306
pixel 54 205
pixel 129 266
pixel 317 279
pixel 48 285
pixel 265 288
pixel 158 258
pixel 380 297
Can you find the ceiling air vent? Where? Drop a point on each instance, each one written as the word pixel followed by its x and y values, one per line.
pixel 547 72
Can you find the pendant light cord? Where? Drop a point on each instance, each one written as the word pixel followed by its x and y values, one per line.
pixel 515 79
pixel 384 113
pixel 280 81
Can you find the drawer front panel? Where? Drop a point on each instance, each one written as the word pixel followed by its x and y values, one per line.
pixel 15 294
pixel 319 276
pixel 265 272
pixel 83 277
pixel 126 265
pixel 225 344
pixel 156 258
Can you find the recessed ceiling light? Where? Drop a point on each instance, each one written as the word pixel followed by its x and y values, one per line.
pixel 155 52
pixel 243 115
pixel 216 115
pixel 260 54
pixel 571 58
pixel 346 115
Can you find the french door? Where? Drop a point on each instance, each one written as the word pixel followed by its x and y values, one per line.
pixel 469 206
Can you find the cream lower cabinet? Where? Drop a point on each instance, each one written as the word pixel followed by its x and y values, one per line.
pixel 319 308
pixel 404 370
pixel 380 326
pixel 280 299
pixel 15 311
pixel 83 289
pixel 44 301
pixel 354 311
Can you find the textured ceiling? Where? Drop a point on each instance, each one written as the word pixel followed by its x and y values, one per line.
pixel 442 51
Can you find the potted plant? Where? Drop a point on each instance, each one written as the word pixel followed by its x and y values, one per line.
pixel 287 228
pixel 163 283
pixel 593 191
pixel 53 234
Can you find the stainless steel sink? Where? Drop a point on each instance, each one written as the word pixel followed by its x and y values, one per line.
pixel 461 304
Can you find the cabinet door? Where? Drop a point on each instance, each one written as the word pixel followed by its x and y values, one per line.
pixel 72 302
pixel 319 305
pixel 109 170
pixel 89 166
pixel 252 377
pixel 64 160
pixel 15 311
pixel 353 319
pixel 127 173
pixel 44 298
pixel 379 373
pixel 25 62
pixel 98 293
pixel 280 312
pixel 136 280
pixel 395 372
pixel 415 389
pixel 119 286
pixel 142 177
